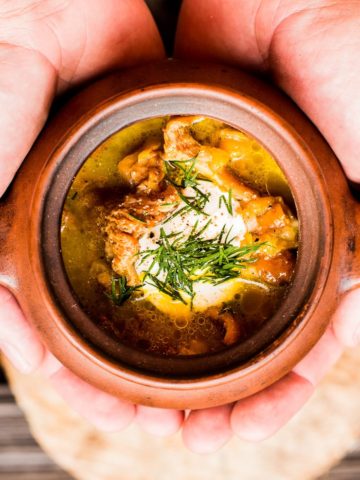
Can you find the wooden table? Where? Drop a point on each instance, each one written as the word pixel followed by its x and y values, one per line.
pixel 22 459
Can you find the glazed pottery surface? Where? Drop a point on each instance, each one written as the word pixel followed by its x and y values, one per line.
pixel 30 257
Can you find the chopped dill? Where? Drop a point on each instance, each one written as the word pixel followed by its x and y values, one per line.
pixel 167 289
pixel 138 219
pixel 120 290
pixel 227 202
pixel 182 174
pixel 177 213
pixel 169 204
pixel 178 262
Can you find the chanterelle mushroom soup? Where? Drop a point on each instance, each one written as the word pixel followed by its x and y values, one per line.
pixel 179 235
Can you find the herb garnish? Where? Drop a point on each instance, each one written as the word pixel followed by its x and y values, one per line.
pixel 227 202
pixel 120 290
pixel 135 217
pixel 182 174
pixel 178 262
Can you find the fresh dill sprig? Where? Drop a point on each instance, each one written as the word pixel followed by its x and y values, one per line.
pixel 182 174
pixel 135 217
pixel 120 290
pixel 196 202
pixel 227 202
pixel 177 213
pixel 169 204
pixel 165 288
pixel 178 262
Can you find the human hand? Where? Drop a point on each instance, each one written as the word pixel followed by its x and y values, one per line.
pixel 46 47
pixel 310 48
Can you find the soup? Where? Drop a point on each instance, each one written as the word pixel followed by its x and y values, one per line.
pixel 179 236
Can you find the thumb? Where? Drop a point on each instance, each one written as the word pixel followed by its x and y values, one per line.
pixel 27 86
pixel 17 339
pixel 346 320
pixel 91 40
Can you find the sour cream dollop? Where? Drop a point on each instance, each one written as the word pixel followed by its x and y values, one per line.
pixel 221 213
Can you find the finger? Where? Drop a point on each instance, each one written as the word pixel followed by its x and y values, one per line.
pixel 310 47
pixel 206 431
pixel 321 358
pixel 49 365
pixel 158 421
pixel 106 412
pixel 346 321
pixel 94 40
pixel 258 417
pixel 27 85
pixel 48 51
pixel 209 30
pixel 263 414
pixel 326 74
pixel 18 341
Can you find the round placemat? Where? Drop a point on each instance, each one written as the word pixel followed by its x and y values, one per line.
pixel 317 438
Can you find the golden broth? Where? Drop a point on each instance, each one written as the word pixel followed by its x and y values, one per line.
pixel 97 188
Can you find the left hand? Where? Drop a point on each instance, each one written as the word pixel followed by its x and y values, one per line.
pixel 48 46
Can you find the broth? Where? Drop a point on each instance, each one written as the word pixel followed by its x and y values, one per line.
pixel 178 235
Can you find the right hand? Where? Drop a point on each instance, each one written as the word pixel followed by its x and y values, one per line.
pixel 311 50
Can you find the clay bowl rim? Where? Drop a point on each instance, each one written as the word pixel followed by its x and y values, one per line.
pixel 105 110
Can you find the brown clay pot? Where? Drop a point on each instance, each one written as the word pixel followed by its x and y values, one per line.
pixel 328 261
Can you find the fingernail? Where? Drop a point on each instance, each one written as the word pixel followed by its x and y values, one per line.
pixel 15 357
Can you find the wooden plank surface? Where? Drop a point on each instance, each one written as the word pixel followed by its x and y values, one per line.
pixel 20 456
pixel 22 459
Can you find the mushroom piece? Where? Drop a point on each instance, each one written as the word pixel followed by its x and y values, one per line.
pixel 232 328
pixel 179 144
pixel 229 322
pixel 144 169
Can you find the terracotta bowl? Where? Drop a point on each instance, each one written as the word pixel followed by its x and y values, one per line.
pixel 30 256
